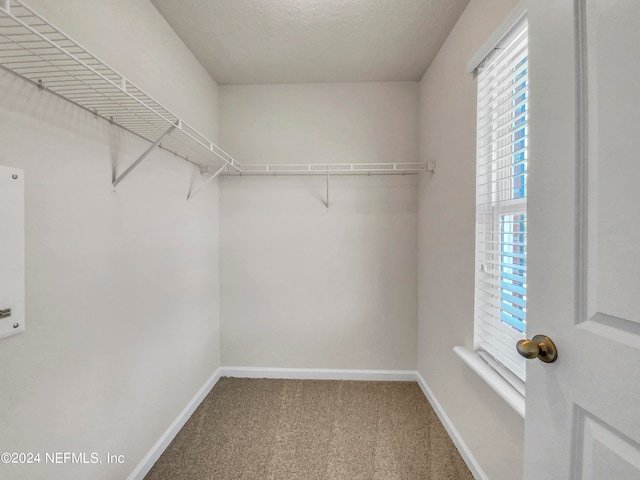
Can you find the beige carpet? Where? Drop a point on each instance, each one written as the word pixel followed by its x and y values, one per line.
pixel 258 429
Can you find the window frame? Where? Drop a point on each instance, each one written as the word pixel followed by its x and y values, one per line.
pixel 506 384
pixel 500 312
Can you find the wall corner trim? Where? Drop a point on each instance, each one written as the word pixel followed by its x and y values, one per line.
pixel 165 439
pixel 465 452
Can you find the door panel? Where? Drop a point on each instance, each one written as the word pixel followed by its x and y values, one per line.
pixel 614 171
pixel 583 414
pixel 603 452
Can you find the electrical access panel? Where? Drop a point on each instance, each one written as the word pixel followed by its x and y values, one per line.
pixel 12 278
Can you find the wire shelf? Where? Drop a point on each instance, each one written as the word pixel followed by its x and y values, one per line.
pixel 36 50
pixel 330 169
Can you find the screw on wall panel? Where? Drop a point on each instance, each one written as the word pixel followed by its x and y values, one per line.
pixel 16 325
pixel 111 120
pixel 14 176
pixel 40 84
pixel 95 113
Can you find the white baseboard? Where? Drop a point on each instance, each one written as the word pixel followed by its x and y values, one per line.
pixel 320 374
pixel 462 447
pixel 163 442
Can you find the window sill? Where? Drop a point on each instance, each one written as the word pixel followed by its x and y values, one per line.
pixel 503 388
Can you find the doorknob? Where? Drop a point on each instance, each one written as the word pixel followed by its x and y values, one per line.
pixel 540 347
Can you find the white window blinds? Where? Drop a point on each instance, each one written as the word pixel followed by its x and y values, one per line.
pixel 501 200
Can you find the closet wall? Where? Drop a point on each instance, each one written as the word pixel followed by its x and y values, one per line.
pixel 122 290
pixel 304 286
pixel 489 427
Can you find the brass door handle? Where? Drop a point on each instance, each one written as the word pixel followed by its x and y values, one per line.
pixel 540 347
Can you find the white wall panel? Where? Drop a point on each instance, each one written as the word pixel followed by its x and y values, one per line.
pixel 12 308
pixel 121 289
pixel 304 286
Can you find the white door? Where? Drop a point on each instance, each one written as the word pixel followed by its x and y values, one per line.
pixel 583 411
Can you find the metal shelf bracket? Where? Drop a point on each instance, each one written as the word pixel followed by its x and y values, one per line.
pixel 210 179
pixel 328 185
pixel 142 157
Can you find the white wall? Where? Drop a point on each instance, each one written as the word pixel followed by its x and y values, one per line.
pixel 303 286
pixel 122 290
pixel 490 428
pixel 320 123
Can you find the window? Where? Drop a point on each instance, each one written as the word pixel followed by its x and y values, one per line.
pixel 501 200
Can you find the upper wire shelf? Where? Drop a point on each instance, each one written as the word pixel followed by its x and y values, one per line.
pixel 36 50
pixel 330 169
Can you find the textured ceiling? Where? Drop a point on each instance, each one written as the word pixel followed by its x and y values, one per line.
pixel 301 41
